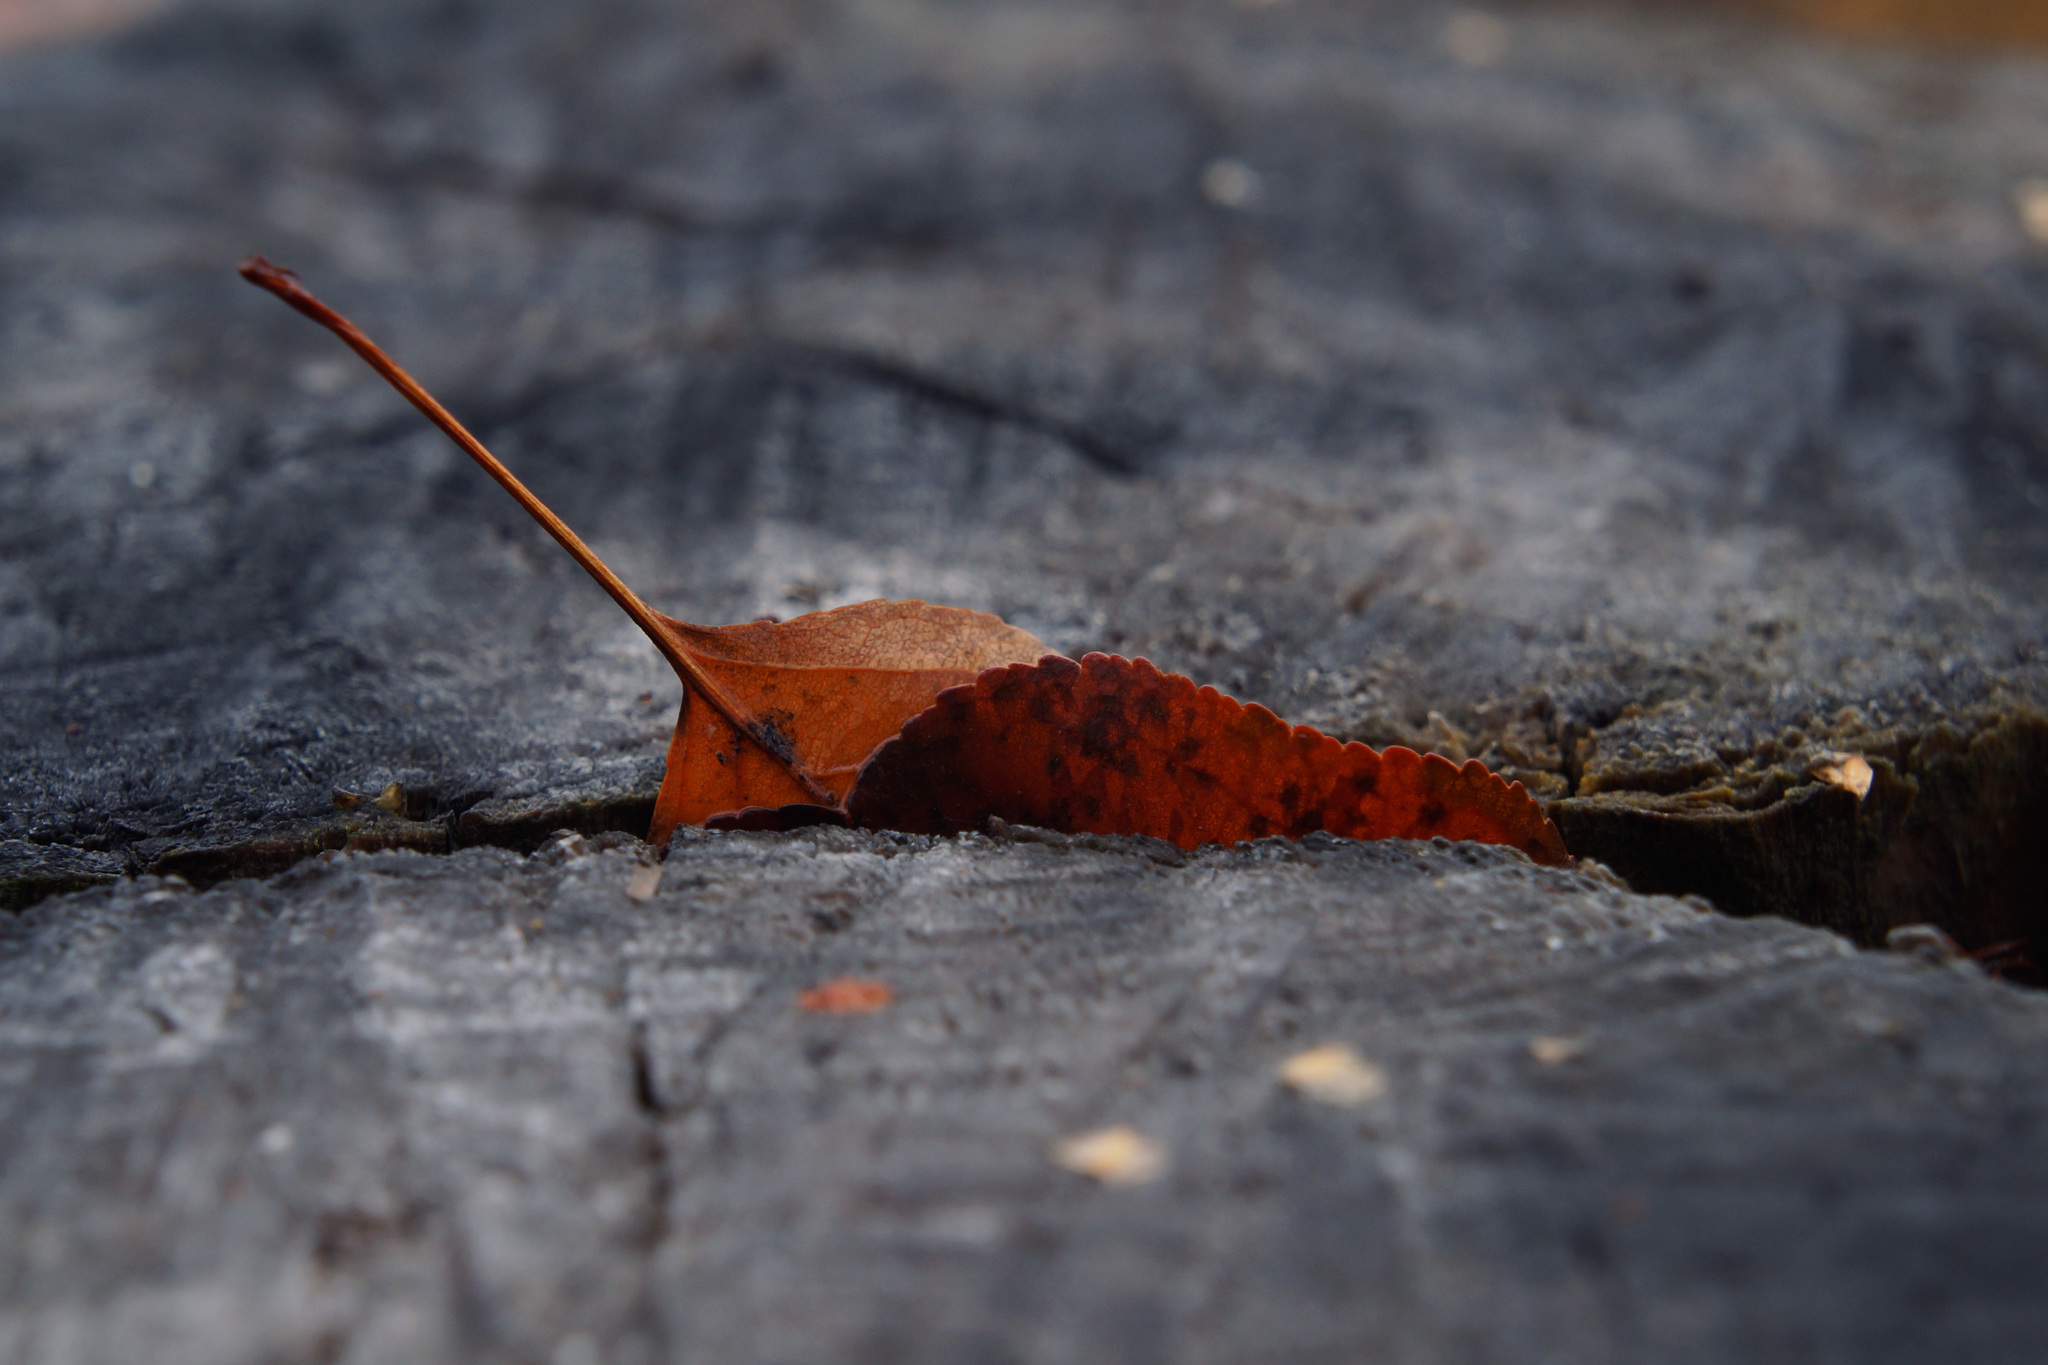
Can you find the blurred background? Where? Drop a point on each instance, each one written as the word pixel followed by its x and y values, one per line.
pixel 1975 22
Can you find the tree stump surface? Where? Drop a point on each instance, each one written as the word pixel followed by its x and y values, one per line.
pixel 1651 408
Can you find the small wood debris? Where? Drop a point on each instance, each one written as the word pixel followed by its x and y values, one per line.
pixel 847 995
pixel 345 799
pixel 1557 1049
pixel 1847 771
pixel 645 882
pixel 1447 739
pixel 392 799
pixel 564 846
pixel 1925 942
pixel 1112 1156
pixel 1333 1075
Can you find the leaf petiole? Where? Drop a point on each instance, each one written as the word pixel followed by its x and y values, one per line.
pixel 285 284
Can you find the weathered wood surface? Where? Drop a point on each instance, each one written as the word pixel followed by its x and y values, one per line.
pixel 488 1107
pixel 1652 412
pixel 1662 407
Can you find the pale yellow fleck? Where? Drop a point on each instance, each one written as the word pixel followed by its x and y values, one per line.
pixel 392 799
pixel 646 881
pixel 1334 1075
pixel 2030 197
pixel 1847 771
pixel 1113 1156
pixel 1556 1049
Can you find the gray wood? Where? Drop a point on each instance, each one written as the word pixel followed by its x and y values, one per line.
pixel 1652 413
pixel 1654 403
pixel 487 1107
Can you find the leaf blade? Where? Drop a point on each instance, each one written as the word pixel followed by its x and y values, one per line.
pixel 1114 746
pixel 827 689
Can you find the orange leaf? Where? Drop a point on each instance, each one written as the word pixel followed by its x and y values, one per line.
pixel 1114 746
pixel 795 723
pixel 847 995
pixel 773 714
pixel 826 689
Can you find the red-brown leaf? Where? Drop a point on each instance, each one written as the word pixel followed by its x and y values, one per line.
pixel 1114 746
pixel 780 720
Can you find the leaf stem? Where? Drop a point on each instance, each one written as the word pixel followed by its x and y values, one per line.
pixel 285 284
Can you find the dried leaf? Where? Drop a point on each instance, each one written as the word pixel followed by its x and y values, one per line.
pixel 1113 1156
pixel 922 718
pixel 826 689
pixel 1114 746
pixel 847 995
pixel 773 713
